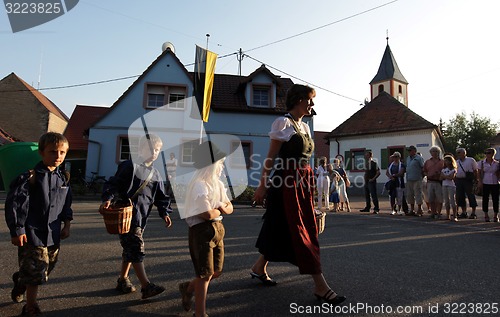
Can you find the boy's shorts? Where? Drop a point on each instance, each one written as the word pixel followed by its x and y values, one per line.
pixel 36 263
pixel 207 247
pixel 133 245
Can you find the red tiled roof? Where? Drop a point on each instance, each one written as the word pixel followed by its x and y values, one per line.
pixel 383 114
pixel 81 120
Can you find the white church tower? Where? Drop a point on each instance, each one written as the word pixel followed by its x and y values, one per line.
pixel 389 79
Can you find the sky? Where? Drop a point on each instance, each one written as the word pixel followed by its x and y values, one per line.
pixel 448 50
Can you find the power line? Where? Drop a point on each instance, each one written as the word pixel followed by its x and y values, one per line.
pixel 91 83
pixel 230 54
pixel 323 26
pixel 302 80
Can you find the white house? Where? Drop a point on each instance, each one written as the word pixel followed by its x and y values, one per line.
pixel 384 125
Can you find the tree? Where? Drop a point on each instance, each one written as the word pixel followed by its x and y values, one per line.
pixel 473 134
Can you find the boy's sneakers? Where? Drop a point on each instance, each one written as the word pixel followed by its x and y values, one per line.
pixel 187 297
pixel 125 286
pixel 151 290
pixel 33 311
pixel 17 293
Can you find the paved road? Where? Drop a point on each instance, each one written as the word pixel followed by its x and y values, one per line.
pixel 379 261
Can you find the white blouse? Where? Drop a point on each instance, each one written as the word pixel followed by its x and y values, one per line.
pixel 282 129
pixel 200 202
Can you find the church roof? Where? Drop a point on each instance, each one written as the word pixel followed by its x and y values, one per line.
pixel 388 69
pixel 384 114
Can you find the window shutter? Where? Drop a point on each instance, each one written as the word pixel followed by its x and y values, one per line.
pixel 384 159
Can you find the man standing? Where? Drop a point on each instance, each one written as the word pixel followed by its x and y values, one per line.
pixel 414 176
pixel 432 169
pixel 372 172
pixel 466 174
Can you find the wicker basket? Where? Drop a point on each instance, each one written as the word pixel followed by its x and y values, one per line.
pixel 118 217
pixel 320 220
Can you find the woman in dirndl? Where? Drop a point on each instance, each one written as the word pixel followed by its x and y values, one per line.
pixel 289 232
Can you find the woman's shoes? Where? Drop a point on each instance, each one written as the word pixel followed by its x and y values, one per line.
pixel 486 217
pixel 330 298
pixel 264 278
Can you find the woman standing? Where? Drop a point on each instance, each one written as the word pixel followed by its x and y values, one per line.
pixel 323 184
pixel 396 172
pixel 289 232
pixel 488 180
pixel 342 185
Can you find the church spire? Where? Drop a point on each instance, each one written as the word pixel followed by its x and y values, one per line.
pixel 389 78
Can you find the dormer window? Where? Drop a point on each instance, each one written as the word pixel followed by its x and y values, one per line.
pixel 380 88
pixel 261 96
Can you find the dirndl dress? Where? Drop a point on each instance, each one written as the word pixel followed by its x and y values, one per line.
pixel 289 232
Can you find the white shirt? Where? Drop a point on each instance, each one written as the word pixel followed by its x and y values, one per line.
pixel 322 172
pixel 489 172
pixel 468 164
pixel 448 182
pixel 282 129
pixel 200 202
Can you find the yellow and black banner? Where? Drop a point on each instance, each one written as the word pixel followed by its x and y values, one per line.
pixel 204 70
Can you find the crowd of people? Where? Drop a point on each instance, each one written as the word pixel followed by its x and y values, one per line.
pixel 332 183
pixel 38 205
pixel 449 181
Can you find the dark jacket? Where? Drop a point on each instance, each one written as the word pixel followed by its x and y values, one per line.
pixel 38 207
pixel 127 180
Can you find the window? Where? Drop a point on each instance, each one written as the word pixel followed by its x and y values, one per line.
pixel 126 149
pixel 400 89
pixel 358 160
pixel 380 88
pixel 241 160
pixel 187 152
pixel 158 95
pixel 261 96
pixel 176 97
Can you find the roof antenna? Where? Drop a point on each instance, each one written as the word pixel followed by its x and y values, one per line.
pixel 40 70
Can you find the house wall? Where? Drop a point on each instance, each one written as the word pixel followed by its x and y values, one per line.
pixel 56 124
pixel 422 139
pixel 29 126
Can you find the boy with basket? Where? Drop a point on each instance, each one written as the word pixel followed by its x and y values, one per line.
pixel 37 204
pixel 143 185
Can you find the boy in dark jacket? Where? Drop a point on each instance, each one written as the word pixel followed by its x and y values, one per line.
pixel 37 204
pixel 128 184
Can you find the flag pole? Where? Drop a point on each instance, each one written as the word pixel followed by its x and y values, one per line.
pixel 201 124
